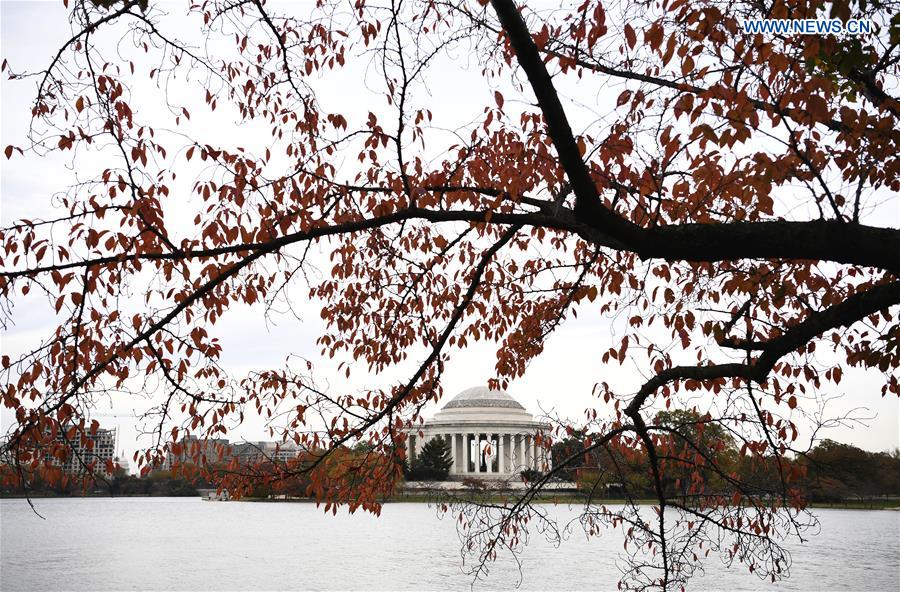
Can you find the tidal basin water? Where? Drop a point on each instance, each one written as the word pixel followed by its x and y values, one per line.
pixel 99 544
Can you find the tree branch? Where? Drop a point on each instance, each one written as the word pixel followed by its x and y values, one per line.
pixel 851 310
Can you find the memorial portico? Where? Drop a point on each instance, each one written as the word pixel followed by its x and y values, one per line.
pixel 491 435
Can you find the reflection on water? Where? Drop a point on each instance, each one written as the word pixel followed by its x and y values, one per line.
pixel 187 544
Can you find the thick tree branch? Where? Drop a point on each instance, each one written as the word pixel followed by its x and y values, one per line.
pixel 587 198
pixel 851 310
pixel 844 243
pixel 817 240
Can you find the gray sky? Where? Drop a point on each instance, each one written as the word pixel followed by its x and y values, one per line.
pixel 561 380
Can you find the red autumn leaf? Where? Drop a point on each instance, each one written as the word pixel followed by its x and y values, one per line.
pixel 630 36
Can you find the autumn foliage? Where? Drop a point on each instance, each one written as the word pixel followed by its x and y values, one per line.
pixel 720 195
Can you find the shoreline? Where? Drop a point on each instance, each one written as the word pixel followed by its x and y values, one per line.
pixel 430 498
pixel 889 505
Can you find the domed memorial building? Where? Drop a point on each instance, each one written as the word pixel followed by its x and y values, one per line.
pixel 491 435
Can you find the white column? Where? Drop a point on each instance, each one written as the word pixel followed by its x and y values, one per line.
pixel 452 441
pixel 536 456
pixel 461 466
pixel 520 451
pixel 529 451
pixel 542 456
pixel 489 461
pixel 500 453
pixel 493 453
pixel 409 449
pixel 476 448
pixel 460 453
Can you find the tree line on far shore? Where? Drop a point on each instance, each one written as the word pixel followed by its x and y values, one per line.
pixel 121 483
pixel 829 472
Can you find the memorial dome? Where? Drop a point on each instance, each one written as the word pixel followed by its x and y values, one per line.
pixel 482 396
pixel 479 404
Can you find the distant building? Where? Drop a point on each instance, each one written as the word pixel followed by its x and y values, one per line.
pixel 194 450
pixel 210 451
pixel 249 453
pixel 98 448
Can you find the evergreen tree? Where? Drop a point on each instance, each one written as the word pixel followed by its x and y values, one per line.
pixel 433 462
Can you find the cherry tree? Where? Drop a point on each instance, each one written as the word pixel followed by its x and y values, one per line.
pixel 716 192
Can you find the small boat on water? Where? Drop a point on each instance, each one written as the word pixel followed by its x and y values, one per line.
pixel 214 495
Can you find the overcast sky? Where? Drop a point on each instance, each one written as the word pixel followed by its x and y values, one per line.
pixel 561 380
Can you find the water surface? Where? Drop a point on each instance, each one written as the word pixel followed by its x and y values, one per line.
pixel 103 544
